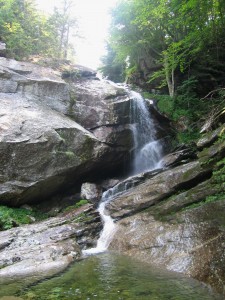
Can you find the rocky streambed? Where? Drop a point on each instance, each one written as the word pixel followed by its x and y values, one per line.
pixel 172 217
pixel 176 218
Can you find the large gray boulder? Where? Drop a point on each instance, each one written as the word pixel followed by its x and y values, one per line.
pixel 192 242
pixel 103 108
pixel 42 148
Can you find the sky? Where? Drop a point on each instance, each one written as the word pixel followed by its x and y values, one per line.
pixel 94 20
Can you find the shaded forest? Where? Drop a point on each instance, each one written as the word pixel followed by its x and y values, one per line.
pixel 174 50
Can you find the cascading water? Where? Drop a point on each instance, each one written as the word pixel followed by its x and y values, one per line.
pixel 147 155
pixel 109 228
pixel 148 150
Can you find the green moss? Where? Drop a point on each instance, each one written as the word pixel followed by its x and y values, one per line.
pixel 13 217
pixel 72 102
pixel 69 154
pixel 77 205
pixel 87 149
pixel 218 178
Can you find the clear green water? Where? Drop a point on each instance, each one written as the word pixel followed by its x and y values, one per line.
pixel 115 277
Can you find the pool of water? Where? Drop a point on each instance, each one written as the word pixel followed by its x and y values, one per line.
pixel 110 276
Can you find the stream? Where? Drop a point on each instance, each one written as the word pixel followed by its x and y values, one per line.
pixel 104 275
pixel 110 276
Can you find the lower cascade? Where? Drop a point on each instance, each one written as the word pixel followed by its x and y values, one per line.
pixel 106 234
pixel 147 156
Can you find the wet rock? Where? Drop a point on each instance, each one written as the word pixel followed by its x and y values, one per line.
pixel 123 186
pixel 209 138
pixel 183 199
pixel 109 183
pixel 188 244
pixel 48 247
pixel 156 189
pixel 175 219
pixel 181 155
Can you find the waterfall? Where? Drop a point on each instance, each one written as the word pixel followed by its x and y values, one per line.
pixel 147 155
pixel 148 150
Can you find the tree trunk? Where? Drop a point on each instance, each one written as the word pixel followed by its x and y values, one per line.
pixel 169 76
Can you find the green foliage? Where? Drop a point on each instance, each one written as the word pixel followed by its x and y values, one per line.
pixel 165 103
pixel 111 68
pixel 218 176
pixel 13 217
pixel 188 136
pixel 170 41
pixel 27 32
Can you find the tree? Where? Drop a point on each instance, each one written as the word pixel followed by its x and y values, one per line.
pixel 112 69
pixel 27 32
pixel 169 41
pixel 62 23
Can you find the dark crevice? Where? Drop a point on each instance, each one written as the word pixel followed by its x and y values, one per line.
pixel 106 125
pixel 205 175
pixel 112 97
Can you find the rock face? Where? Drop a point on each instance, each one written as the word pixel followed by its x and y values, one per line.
pixel 91 191
pixel 190 243
pixel 42 147
pixel 156 189
pixel 56 134
pixel 48 247
pixel 175 218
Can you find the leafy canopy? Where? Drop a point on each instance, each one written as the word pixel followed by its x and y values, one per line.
pixel 28 32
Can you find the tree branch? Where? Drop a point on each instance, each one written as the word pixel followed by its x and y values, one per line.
pixel 212 92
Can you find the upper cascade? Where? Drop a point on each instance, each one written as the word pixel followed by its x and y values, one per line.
pixel 148 150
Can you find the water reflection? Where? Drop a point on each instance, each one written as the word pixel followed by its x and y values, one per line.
pixel 116 277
